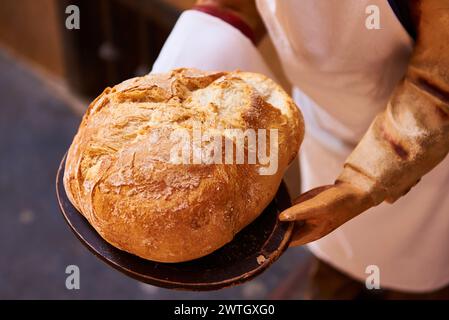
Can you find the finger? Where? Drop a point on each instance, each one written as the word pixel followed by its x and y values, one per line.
pixel 311 194
pixel 304 234
pixel 303 211
pixel 303 240
pixel 304 197
pixel 332 199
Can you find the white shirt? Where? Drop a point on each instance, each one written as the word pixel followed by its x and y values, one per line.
pixel 343 74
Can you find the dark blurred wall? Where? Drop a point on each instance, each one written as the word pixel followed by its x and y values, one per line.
pixel 118 39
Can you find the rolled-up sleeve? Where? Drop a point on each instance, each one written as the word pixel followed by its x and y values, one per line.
pixel 205 42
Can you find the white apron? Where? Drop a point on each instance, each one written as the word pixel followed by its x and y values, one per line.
pixel 343 74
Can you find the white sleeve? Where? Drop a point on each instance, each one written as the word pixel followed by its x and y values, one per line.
pixel 205 42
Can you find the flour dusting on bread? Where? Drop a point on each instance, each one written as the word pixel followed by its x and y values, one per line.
pixel 118 173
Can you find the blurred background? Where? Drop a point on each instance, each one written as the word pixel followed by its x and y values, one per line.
pixel 48 75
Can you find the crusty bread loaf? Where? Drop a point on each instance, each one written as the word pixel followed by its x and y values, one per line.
pixel 118 172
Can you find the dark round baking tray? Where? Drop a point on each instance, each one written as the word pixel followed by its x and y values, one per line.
pixel 251 252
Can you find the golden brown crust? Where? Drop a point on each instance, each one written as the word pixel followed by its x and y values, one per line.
pixel 118 173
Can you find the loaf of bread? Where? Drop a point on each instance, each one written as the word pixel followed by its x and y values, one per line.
pixel 121 176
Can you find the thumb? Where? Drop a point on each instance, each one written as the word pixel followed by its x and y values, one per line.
pixel 321 200
pixel 288 214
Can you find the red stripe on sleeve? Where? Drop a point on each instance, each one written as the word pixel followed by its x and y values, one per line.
pixel 228 17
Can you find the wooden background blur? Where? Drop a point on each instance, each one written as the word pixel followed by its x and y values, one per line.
pixel 30 29
pixel 34 30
